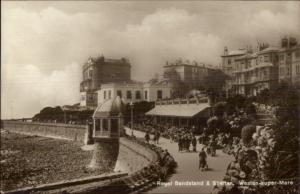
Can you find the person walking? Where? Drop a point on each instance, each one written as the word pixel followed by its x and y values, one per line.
pixel 213 147
pixel 194 144
pixel 202 160
pixel 157 137
pixel 147 137
pixel 154 137
pixel 179 144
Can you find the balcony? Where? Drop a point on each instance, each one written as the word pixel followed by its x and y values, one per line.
pixel 252 80
pixel 240 82
pixel 259 79
pixel 86 85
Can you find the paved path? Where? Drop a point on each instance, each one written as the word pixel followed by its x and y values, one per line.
pixel 187 169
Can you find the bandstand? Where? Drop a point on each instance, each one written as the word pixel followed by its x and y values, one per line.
pixel 107 129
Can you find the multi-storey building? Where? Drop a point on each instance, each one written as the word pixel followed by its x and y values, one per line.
pixel 192 75
pixel 228 60
pixel 295 74
pixel 100 70
pixel 252 72
pixel 289 61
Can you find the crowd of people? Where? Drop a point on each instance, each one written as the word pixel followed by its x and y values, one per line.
pixel 183 136
pixel 247 160
pixel 262 108
pixel 186 140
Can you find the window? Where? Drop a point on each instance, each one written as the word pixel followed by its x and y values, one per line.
pixel 261 58
pixel 159 94
pixel 85 75
pixel 90 97
pixel 248 64
pixel 287 71
pixel 229 61
pixel 297 54
pixel 109 94
pixel 281 57
pixel 119 93
pixel 298 69
pixel 97 125
pixel 128 94
pixel 104 94
pixel 281 71
pixel 82 97
pixel 90 73
pixel 265 72
pixel 138 95
pixel 266 58
pixel 146 95
pixel 104 125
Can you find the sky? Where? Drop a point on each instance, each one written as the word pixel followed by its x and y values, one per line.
pixel 44 44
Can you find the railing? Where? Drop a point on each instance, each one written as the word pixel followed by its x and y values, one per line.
pixel 106 134
pixel 252 80
pixel 183 101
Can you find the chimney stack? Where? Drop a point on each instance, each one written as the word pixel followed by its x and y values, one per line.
pixel 225 51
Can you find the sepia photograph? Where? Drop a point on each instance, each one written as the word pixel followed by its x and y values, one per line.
pixel 150 96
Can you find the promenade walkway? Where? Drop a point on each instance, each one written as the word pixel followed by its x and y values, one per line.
pixel 187 169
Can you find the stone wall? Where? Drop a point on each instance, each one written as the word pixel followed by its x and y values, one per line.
pixel 133 156
pixel 132 159
pixel 55 130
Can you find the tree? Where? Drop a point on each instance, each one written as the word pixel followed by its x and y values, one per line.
pixel 251 110
pixel 219 109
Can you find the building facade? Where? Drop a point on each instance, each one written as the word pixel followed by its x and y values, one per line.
pixel 228 61
pixel 191 76
pixel 129 92
pixel 134 92
pixel 289 61
pixel 251 72
pixel 295 74
pixel 98 71
pixel 190 73
pixel 254 72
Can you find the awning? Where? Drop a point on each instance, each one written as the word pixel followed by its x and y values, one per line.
pixel 180 110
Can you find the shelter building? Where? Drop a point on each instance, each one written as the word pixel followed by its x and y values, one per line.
pixel 182 112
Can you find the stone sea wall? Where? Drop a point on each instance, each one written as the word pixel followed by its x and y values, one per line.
pixel 132 156
pixel 55 130
pixel 135 158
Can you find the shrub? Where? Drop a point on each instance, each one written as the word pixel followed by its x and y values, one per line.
pixel 219 109
pixel 250 109
pixel 247 132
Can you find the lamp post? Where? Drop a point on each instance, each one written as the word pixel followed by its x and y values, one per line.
pixel 131 106
pixel 65 117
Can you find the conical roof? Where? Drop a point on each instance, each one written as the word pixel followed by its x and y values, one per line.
pixel 111 107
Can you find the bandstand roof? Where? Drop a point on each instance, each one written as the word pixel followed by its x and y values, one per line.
pixel 180 110
pixel 111 107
